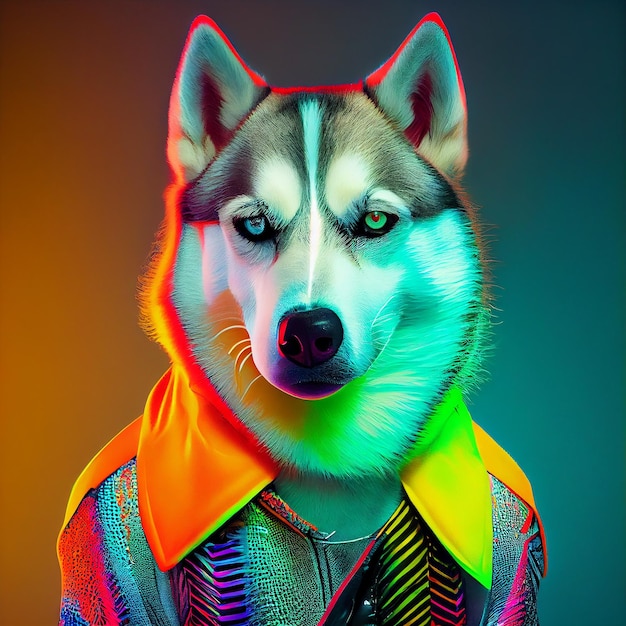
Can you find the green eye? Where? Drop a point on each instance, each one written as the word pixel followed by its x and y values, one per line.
pixel 376 223
pixel 375 220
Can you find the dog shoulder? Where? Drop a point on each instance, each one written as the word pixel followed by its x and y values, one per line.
pixel 108 570
pixel 118 452
pixel 101 515
pixel 519 559
pixel 510 488
pixel 505 472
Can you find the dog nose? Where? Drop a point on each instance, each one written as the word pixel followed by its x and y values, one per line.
pixel 310 338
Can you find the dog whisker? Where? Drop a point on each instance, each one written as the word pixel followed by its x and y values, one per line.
pixel 239 354
pixel 243 362
pixel 382 308
pixel 233 327
pixel 382 320
pixel 231 318
pixel 246 340
pixel 243 395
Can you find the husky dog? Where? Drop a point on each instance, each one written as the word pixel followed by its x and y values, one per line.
pixel 319 287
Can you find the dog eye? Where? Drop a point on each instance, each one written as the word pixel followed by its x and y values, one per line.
pixel 376 223
pixel 254 228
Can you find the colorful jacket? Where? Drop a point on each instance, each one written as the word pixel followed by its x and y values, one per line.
pixel 175 522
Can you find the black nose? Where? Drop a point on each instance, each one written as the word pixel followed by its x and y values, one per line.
pixel 310 338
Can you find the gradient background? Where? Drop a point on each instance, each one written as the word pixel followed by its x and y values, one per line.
pixel 84 94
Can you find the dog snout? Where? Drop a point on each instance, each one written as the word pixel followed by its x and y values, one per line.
pixel 310 338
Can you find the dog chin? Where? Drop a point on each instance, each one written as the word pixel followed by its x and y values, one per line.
pixel 310 384
pixel 310 390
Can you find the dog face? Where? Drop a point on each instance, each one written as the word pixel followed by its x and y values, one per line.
pixel 320 263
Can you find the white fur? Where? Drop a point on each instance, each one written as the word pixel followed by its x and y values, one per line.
pixel 278 184
pixel 449 276
pixel 312 126
pixel 213 270
pixel 348 178
pixel 384 195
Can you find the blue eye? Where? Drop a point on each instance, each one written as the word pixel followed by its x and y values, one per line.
pixel 255 225
pixel 254 228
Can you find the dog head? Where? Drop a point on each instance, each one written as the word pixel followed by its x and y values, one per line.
pixel 318 263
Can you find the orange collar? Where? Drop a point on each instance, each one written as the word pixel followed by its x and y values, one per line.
pixel 194 469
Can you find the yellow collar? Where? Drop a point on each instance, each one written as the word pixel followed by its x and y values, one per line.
pixel 449 485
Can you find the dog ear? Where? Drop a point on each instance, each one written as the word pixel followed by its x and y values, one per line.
pixel 213 94
pixel 420 89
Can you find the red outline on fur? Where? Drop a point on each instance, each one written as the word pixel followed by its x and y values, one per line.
pixel 168 324
pixel 346 88
pixel 375 78
pixel 203 20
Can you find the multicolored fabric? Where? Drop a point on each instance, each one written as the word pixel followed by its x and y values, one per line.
pixel 520 555
pixel 410 579
pixel 266 566
pixel 419 581
pixel 109 575
pixel 209 585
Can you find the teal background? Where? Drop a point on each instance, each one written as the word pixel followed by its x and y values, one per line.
pixel 84 88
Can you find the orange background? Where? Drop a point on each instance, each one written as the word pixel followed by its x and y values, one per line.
pixel 84 88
